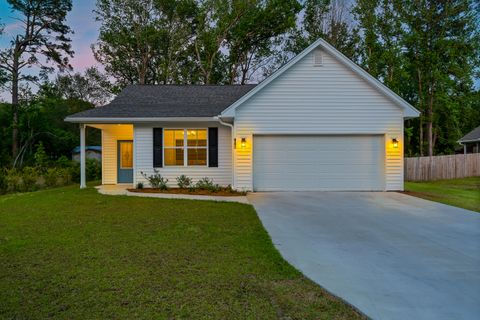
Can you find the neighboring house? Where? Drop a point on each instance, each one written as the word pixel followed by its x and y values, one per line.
pixel 471 141
pixel 318 123
pixel 91 152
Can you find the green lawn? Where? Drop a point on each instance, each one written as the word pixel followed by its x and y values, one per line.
pixel 463 193
pixel 74 254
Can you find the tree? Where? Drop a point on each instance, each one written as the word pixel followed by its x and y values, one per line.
pixel 327 19
pixel 442 43
pixel 44 33
pixel 145 41
pixel 91 86
pixel 253 40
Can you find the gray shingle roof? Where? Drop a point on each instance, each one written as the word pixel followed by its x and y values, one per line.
pixel 471 136
pixel 159 101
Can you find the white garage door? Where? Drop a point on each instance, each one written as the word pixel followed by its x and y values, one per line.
pixel 299 163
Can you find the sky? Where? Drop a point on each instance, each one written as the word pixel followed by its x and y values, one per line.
pixel 81 20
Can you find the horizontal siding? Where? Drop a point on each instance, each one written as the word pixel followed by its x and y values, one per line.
pixel 330 99
pixel 110 135
pixel 144 155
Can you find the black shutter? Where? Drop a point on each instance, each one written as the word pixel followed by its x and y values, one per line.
pixel 213 147
pixel 157 147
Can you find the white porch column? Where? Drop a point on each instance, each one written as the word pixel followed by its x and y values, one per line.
pixel 83 176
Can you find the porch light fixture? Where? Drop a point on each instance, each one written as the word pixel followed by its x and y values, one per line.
pixel 395 142
pixel 243 143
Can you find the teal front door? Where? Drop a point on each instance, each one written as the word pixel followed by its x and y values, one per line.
pixel 125 161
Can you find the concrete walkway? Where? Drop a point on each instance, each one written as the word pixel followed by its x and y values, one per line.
pixel 119 189
pixel 391 255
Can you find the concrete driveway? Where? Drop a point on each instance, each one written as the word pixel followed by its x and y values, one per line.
pixel 390 255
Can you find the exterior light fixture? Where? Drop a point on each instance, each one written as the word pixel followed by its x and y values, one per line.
pixel 395 142
pixel 243 143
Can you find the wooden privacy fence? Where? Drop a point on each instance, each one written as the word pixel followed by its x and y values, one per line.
pixel 442 167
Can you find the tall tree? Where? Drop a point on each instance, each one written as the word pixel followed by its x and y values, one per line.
pixel 253 40
pixel 145 41
pixel 44 36
pixel 327 19
pixel 91 86
pixel 442 43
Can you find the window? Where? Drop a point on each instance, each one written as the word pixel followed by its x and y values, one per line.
pixel 185 146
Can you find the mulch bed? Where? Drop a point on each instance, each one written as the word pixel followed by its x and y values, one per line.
pixel 221 193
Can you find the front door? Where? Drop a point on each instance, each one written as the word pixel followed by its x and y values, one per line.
pixel 125 161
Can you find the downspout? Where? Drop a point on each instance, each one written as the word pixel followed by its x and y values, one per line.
pixel 233 146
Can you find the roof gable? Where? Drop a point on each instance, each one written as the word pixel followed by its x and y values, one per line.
pixel 408 110
pixel 472 136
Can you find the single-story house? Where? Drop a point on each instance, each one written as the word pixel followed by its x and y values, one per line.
pixel 471 141
pixel 91 152
pixel 320 122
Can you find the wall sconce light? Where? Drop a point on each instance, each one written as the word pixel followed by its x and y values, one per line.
pixel 395 142
pixel 243 143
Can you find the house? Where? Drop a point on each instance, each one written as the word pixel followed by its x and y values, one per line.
pixel 318 123
pixel 91 152
pixel 471 141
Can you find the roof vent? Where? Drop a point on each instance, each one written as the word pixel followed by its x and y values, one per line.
pixel 318 58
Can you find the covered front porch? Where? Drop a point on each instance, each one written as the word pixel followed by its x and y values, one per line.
pixel 117 154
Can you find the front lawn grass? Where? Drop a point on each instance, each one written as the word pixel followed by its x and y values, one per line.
pixel 75 254
pixel 463 193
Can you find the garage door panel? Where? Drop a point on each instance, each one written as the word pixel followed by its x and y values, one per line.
pixel 348 162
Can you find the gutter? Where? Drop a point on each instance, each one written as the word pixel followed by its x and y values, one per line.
pixel 219 119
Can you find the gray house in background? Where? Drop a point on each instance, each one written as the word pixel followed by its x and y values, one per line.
pixel 91 152
pixel 471 141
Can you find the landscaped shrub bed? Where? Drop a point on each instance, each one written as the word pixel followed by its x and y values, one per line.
pixel 224 191
pixel 204 186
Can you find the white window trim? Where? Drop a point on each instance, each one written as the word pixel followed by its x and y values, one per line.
pixel 185 148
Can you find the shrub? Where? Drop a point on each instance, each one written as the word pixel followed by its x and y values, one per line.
pixel 3 181
pixel 41 158
pixel 30 177
pixel 55 177
pixel 140 185
pixel 94 169
pixel 207 184
pixel 13 180
pixel 184 182
pixel 156 180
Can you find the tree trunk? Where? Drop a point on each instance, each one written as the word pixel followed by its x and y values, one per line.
pixel 15 109
pixel 430 136
pixel 421 136
pixel 430 124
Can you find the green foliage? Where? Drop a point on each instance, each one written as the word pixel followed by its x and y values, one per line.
pixel 139 185
pixel 3 181
pixel 184 182
pixel 41 158
pixel 156 180
pixel 62 172
pixel 328 20
pixel 428 52
pixel 207 184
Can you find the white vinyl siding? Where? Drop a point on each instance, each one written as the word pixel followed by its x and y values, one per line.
pixel 318 162
pixel 310 100
pixel 144 155
pixel 110 135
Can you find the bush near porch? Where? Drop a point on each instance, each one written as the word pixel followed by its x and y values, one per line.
pixel 46 175
pixel 75 254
